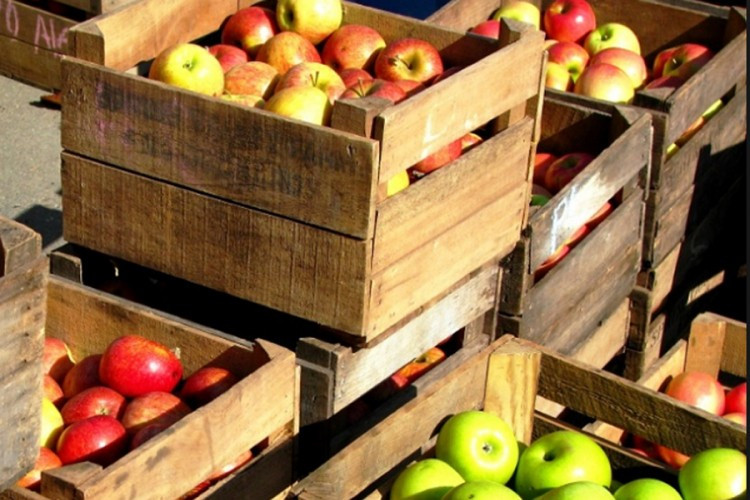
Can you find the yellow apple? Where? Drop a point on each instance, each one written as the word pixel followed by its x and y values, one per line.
pixel 309 104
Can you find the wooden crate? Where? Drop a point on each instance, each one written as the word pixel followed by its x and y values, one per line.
pixel 292 219
pixel 716 345
pixel 263 404
pixel 505 378
pixel 563 309
pixel 23 280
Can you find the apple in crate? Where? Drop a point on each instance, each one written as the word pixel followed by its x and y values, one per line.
pixel 352 46
pixel 313 19
pixel 429 478
pixel 228 56
pixel 606 82
pixel 628 61
pixel 489 28
pixel 737 416
pixel 715 473
pixel 569 20
pixel 377 88
pixel 158 407
pixel 646 488
pixel 519 10
pixel 47 459
pixel 685 60
pixel 133 365
pixel 252 101
pixel 611 35
pixel 249 28
pixel 350 76
pixel 564 169
pixel 478 490
pixel 83 375
pixel 252 78
pixel 98 400
pixel 190 67
pixel 736 399
pixel 206 384
pixel 698 389
pixel 439 158
pixel 286 49
pixel 409 59
pixel 145 433
pixel 51 424
pixel 411 87
pixel 52 390
pixel 313 74
pixel 578 490
pixel 100 439
pixel 557 77
pixel 308 104
pixel 571 56
pixel 418 367
pixel 56 358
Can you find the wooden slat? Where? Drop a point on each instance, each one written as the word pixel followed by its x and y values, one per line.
pixel 30 64
pixel 308 173
pixel 463 14
pixel 301 270
pixel 35 26
pixel 717 343
pixel 20 246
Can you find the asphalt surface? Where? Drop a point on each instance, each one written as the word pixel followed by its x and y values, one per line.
pixel 30 160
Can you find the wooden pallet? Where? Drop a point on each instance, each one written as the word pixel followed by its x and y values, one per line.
pixel 313 239
pixel 263 404
pixel 23 296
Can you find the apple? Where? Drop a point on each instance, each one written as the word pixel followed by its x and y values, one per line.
pixel 145 433
pixel 542 161
pixel 156 407
pixel 439 158
pixel 519 10
pixel 600 215
pixel 418 367
pixel 249 28
pixel 313 19
pixel 645 447
pixel 611 35
pixel 698 389
pixel 397 183
pixel 408 59
pixel 228 56
pixel 578 236
pixel 736 399
pixel 646 489
pixel 52 390
pixel 47 459
pixel 686 60
pixel 671 150
pixel 189 66
pixel 411 87
pixel 350 76
pixel 252 78
pixel 661 59
pixel 665 81
pixel 83 375
pixel 51 424
pixel 479 445
pixel 308 104
pixel 98 400
pixel 481 490
pixel 671 457
pixel 445 74
pixel 426 479
pixel 469 140
pixel 378 88
pixel 631 63
pixel 253 101
pixel 716 473
pixel 569 20
pixel 699 123
pixel 559 458
pixel 352 46
pixel 557 77
pixel 223 471
pixel 133 365
pixel 206 384
pixel 564 169
pixel 551 262
pixel 539 195
pixel 306 74
pixel 285 49
pixel 489 28
pixel 56 358
pixel 571 56
pixel 100 439
pixel 578 490
pixel 739 417
pixel 606 82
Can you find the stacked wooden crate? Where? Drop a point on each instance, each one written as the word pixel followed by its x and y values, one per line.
pixel 23 293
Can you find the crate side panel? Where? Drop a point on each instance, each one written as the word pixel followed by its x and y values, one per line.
pixel 35 26
pixel 30 64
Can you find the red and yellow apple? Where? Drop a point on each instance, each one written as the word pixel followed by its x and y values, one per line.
pixel 189 66
pixel 286 49
pixel 439 158
pixel 611 35
pixel 56 358
pixel 569 20
pixel 352 46
pixel 313 19
pixel 628 61
pixel 408 59
pixel 606 82
pixel 308 104
pixel 228 56
pixel 571 56
pixel 519 10
pixel 313 74
pixel 252 78
pixel 377 87
pixel 249 28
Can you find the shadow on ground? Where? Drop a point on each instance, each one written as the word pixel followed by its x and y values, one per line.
pixel 45 221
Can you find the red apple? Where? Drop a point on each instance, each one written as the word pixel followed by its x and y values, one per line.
pixel 377 87
pixel 600 215
pixel 206 384
pixel 739 417
pixel 56 358
pixel 698 389
pixel 606 82
pixel 100 439
pixel 408 59
pixel 736 399
pixel 286 49
pixel 557 77
pixel 313 74
pixel 134 365
pixel 665 81
pixel 240 460
pixel 646 447
pixel 542 161
pixel 229 56
pixel 571 56
pixel 439 158
pixel 47 459
pixel 489 28
pixel 252 78
pixel 578 236
pixel 470 140
pixel 93 401
pixel 631 63
pixel 52 390
pixel 661 59
pixel 249 28
pixel 564 169
pixel 671 457
pixel 421 365
pixel 83 375
pixel 411 87
pixel 569 20
pixel 445 74
pixel 350 76
pixel 686 60
pixel 156 407
pixel 352 46
pixel 551 262
pixel 145 433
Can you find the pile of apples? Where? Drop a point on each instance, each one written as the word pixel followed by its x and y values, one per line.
pixel 298 59
pixel 477 456
pixel 703 391
pixel 103 406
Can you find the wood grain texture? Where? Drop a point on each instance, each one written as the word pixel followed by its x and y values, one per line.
pixel 27 63
pixel 717 343
pixel 301 270
pixel 36 26
pixel 20 246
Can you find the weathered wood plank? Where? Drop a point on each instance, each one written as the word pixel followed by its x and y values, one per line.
pixel 30 64
pixel 35 26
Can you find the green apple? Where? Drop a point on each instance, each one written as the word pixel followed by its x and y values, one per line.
pixel 428 479
pixel 481 490
pixel 646 489
pixel 519 10
pixel 313 19
pixel 309 104
pixel 715 474
pixel 479 445
pixel 580 490
pixel 611 35
pixel 559 458
pixel 190 67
